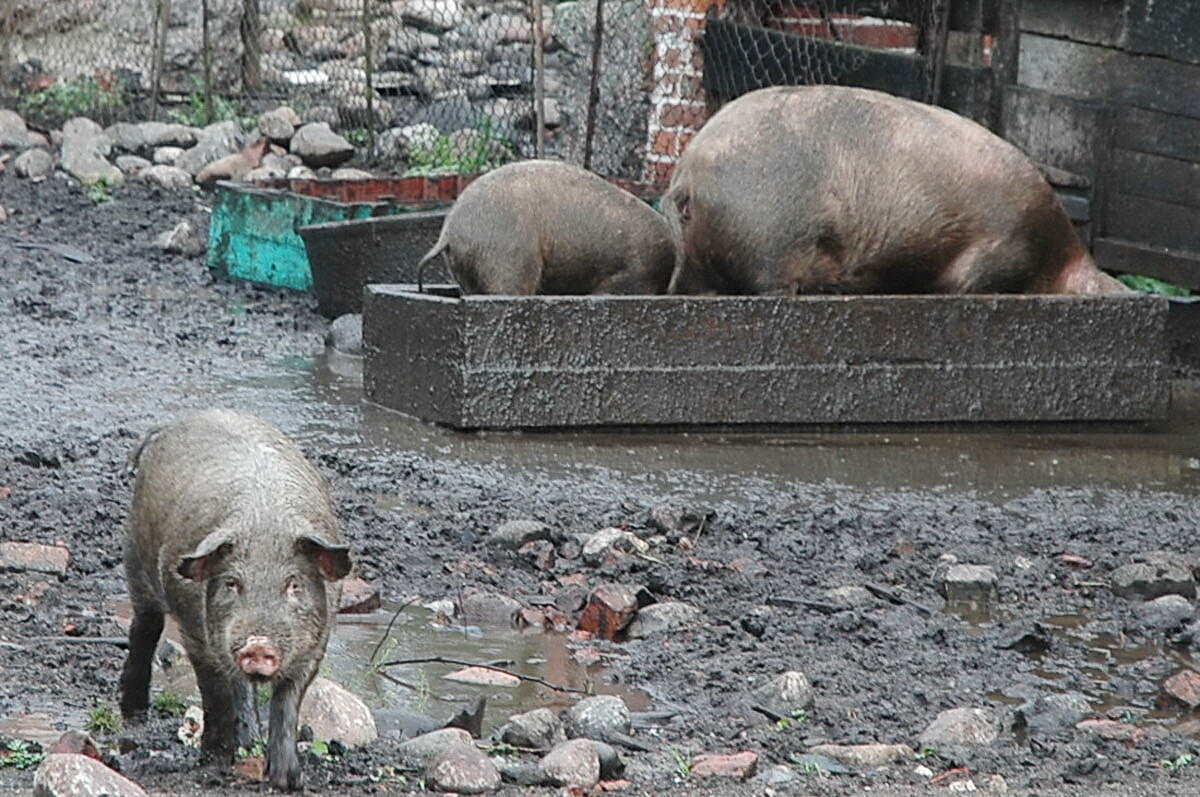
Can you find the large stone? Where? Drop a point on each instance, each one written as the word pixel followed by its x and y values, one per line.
pixel 515 533
pixel 1164 613
pixel 462 769
pixel 488 607
pixel 848 597
pixel 969 584
pixel 280 124
pixel 163 134
pixel 126 137
pixel 34 163
pixel 663 618
pixel 346 173
pixel 73 775
pixel 538 729
pixel 182 239
pixel 420 751
pixel 574 764
pixel 1184 686
pixel 968 727
pixel 1153 575
pixel 13 132
pixel 214 142
pixel 317 145
pixel 34 556
pixel 334 713
pixel 171 178
pixel 1056 712
pixel 167 156
pixel 231 167
pixel 131 164
pixel 434 16
pixel 598 717
pixel 865 755
pixel 85 150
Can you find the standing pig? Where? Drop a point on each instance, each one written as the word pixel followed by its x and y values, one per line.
pixel 546 227
pixel 829 189
pixel 232 532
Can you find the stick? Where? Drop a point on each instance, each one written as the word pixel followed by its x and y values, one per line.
pixel 387 631
pixel 892 597
pixel 462 663
pixel 119 641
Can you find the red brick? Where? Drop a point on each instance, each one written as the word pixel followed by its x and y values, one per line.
pixel 609 609
pixel 737 765
pixel 660 173
pixel 1113 730
pixel 887 37
pixel 34 556
pixel 676 115
pixel 664 143
pixel 1184 686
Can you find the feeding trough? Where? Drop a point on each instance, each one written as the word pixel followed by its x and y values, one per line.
pixel 550 361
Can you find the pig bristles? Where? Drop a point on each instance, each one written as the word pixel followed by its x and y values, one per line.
pixel 463 663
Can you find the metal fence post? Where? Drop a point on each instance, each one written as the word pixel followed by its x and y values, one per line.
pixel 206 43
pixel 539 82
pixel 162 20
pixel 369 69
pixel 251 32
pixel 593 85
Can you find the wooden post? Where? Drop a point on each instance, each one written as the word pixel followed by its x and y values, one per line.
pixel 162 21
pixel 937 50
pixel 539 82
pixel 1006 57
pixel 251 32
pixel 594 85
pixel 369 69
pixel 207 44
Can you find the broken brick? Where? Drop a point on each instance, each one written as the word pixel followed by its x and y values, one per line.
pixel 609 609
pixel 736 765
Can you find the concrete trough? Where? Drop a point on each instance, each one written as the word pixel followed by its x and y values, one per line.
pixel 545 362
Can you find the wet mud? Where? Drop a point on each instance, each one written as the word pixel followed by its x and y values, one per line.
pixel 102 335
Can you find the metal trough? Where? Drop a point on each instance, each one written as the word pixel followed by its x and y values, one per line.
pixel 544 362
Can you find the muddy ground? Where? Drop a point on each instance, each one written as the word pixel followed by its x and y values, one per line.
pixel 102 335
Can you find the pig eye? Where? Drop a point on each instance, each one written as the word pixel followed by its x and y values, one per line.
pixel 233 585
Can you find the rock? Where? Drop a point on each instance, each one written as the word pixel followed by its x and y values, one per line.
pixel 13 132
pixel 601 545
pixel 968 727
pixel 353 112
pixel 1026 638
pixel 359 597
pixel 814 763
pixel 609 608
pixel 301 173
pixel 1165 613
pixel 191 729
pixel 969 584
pixel 132 164
pixel 84 153
pixel 574 764
pixel 755 621
pixel 1056 712
pixel 462 769
pixel 419 136
pixel 280 124
pixel 848 597
pixel 538 729
pixel 741 765
pixel 1155 574
pixel 515 533
pixel 35 163
pixel 163 134
pixel 70 775
pixel 785 695
pixel 470 718
pixel 171 178
pixel 231 167
pixel 76 743
pixel 335 714
pixel 775 776
pixel 1184 686
pixel 126 137
pixel 166 156
pixel 663 618
pixel 611 765
pixel 318 145
pixel 214 142
pixel 346 173
pixel 319 113
pixel 1112 730
pixel 263 174
pixel 482 676
pixel 434 16
pixel 182 239
pixel 345 334
pixel 420 751
pixel 865 755
pixel 34 556
pixel 539 553
pixel 488 607
pixel 598 717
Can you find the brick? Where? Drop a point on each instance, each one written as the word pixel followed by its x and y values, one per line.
pixel 737 765
pixel 359 597
pixel 609 609
pixel 1184 686
pixel 34 556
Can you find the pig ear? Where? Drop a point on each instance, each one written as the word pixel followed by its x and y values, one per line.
pixel 202 562
pixel 333 561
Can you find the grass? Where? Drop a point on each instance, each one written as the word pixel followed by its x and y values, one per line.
pixel 97 191
pixel 798 716
pixel 1152 285
pixel 83 96
pixel 20 754
pixel 103 720
pixel 683 762
pixel 1174 765
pixel 442 155
pixel 170 703
pixel 223 110
pixel 421 703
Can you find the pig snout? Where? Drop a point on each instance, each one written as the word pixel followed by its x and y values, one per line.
pixel 258 657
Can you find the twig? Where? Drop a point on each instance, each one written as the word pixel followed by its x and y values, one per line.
pixel 462 663
pixel 119 641
pixel 892 597
pixel 387 631
pixel 700 530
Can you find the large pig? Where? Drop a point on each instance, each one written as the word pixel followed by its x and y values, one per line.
pixel 546 227
pixel 232 532
pixel 824 189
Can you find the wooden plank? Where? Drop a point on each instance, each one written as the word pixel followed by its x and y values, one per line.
pixel 740 58
pixel 1150 221
pixel 1090 21
pixel 1178 268
pixel 1054 130
pixel 1155 177
pixel 1169 28
pixel 1158 133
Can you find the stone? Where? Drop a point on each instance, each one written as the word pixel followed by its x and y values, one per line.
pixel 1056 712
pixel 213 143
pixel 1184 686
pixel 609 609
pixel 482 676
pixel 319 113
pixel 318 145
pixel 538 729
pixel 611 765
pixel 191 728
pixel 539 553
pixel 741 765
pixel 346 173
pixel 969 584
pixel 756 621
pixel 1112 730
pixel 848 597
pixel 34 556
pixel 165 134
pixel 513 534
pixel 13 132
pixel 132 164
pixel 784 695
pixel 968 727
pixel 865 755
pixel 71 775
pixel 573 764
pixel 420 751
pixel 76 743
pixel 598 717
pixel 462 769
pixel 663 618
pixel 170 178
pixel 84 153
pixel 433 16
pixel 488 607
pixel 301 173
pixel 263 174
pixel 418 136
pixel 352 112
pixel 182 239
pixel 600 546
pixel 359 597
pixel 775 776
pixel 336 714
pixel 280 124
pixel 166 156
pixel 34 163
pixel 345 334
pixel 1164 613
pixel 1153 575
pixel 126 137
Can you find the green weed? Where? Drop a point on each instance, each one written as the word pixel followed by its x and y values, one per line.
pixel 1174 765
pixel 103 720
pixel 444 155
pixel 683 762
pixel 20 754
pixel 83 96
pixel 169 703
pixel 97 191
pixel 223 110
pixel 1152 285
pixel 253 751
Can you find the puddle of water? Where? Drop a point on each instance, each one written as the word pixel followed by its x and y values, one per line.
pixel 40 727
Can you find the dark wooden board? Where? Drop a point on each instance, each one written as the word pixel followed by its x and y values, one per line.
pixel 1151 221
pixel 1157 133
pixel 1178 268
pixel 1090 21
pixel 1055 130
pixel 1155 177
pixel 966 15
pixel 1169 28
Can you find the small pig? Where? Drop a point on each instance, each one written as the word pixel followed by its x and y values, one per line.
pixel 826 189
pixel 232 532
pixel 546 227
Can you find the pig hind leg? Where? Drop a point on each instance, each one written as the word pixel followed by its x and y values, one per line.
pixel 144 633
pixel 988 265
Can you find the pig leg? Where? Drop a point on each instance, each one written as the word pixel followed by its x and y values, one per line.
pixel 229 718
pixel 283 763
pixel 144 633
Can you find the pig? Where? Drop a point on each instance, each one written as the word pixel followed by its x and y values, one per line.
pixel 232 533
pixel 826 189
pixel 546 227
